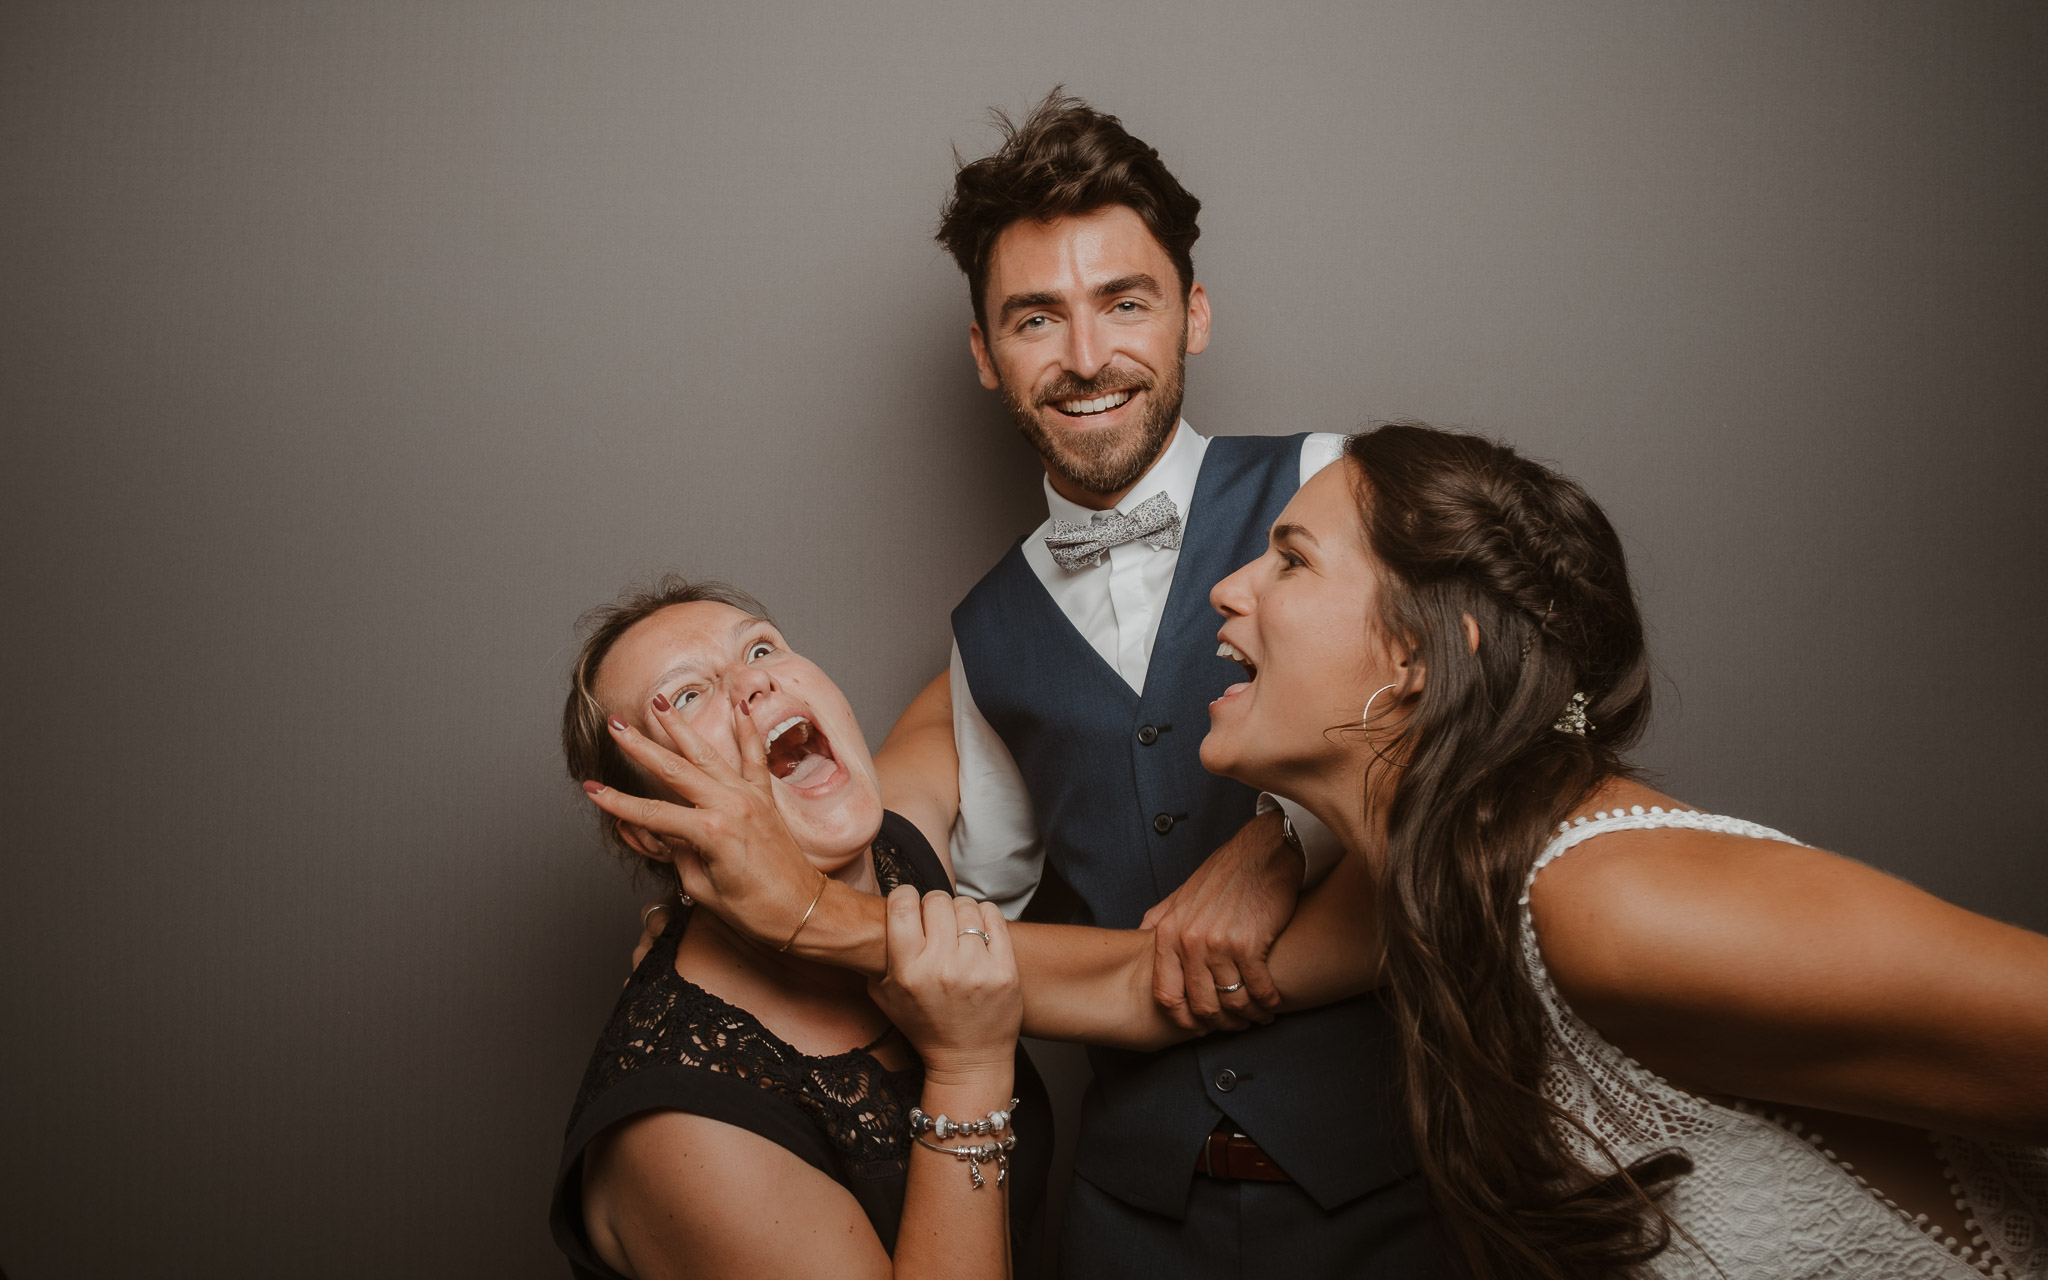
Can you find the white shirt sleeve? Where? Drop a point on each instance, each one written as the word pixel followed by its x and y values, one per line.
pixel 1320 848
pixel 997 855
pixel 1318 451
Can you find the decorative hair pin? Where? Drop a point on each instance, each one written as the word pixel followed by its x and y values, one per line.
pixel 1574 718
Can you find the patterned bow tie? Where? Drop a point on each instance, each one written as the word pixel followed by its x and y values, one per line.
pixel 1076 546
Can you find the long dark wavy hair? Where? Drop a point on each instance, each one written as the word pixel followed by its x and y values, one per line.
pixel 1462 528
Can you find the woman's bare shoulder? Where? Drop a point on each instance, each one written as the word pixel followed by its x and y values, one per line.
pixel 1710 922
pixel 1618 907
pixel 1763 969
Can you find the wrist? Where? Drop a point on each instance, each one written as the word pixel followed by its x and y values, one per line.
pixel 1292 853
pixel 959 1082
pixel 1270 842
pixel 848 929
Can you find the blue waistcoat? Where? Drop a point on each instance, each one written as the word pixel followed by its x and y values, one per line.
pixel 1127 813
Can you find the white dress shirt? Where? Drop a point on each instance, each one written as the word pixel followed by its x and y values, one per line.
pixel 1115 604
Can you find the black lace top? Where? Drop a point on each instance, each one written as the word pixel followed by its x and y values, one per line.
pixel 671 1045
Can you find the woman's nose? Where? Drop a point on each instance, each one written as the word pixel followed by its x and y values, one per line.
pixel 747 683
pixel 1233 597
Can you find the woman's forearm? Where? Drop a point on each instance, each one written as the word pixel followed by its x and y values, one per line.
pixel 1094 986
pixel 1091 985
pixel 1331 949
pixel 950 1227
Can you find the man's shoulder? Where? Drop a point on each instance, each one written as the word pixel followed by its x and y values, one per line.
pixel 1246 464
pixel 1260 447
pixel 1011 572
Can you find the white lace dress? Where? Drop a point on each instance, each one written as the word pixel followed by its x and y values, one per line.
pixel 1762 1200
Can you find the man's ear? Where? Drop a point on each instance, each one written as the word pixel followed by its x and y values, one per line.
pixel 1198 319
pixel 642 841
pixel 1471 633
pixel 984 363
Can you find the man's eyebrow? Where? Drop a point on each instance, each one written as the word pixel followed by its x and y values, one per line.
pixel 1026 301
pixel 1294 533
pixel 1139 283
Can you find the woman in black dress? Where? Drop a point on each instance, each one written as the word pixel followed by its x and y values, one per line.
pixel 750 1113
pixel 722 757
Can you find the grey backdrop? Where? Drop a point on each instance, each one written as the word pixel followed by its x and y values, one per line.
pixel 350 351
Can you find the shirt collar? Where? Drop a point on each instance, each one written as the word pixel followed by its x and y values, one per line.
pixel 1174 474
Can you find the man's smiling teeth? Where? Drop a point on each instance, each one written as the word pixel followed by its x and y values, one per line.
pixel 1101 404
pixel 784 727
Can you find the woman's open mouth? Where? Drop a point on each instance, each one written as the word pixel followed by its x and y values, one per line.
pixel 1225 649
pixel 800 754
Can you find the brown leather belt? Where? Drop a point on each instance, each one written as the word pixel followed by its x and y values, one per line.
pixel 1233 1155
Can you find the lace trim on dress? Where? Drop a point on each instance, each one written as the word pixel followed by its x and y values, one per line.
pixel 1763 1201
pixel 861 1106
pixel 2004 1188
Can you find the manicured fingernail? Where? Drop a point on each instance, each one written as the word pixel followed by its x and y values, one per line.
pixel 746 710
pixel 594 788
pixel 661 702
pixel 618 725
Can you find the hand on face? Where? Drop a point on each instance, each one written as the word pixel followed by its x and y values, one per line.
pixel 732 850
pixel 952 986
pixel 758 746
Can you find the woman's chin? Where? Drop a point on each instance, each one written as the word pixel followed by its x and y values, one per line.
pixel 1220 755
pixel 838 828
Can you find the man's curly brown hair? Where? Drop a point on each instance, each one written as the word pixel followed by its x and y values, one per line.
pixel 1066 158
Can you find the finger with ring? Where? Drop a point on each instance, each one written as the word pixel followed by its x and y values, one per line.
pixel 967 919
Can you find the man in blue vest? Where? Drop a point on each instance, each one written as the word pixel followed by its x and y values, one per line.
pixel 1077 698
pixel 1082 668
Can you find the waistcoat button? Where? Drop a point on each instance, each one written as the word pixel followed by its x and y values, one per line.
pixel 1162 823
pixel 1226 1080
pixel 1147 735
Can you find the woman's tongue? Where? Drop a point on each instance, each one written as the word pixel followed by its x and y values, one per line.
pixel 799 756
pixel 809 771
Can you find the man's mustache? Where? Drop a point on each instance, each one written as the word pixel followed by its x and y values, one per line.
pixel 1069 387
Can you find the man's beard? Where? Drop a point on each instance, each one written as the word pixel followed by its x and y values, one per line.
pixel 1103 461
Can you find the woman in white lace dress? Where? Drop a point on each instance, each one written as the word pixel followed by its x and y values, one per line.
pixel 1638 1039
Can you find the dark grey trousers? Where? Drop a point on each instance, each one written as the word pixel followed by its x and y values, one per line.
pixel 1253 1231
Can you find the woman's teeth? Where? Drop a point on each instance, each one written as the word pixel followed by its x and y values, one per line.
pixel 796 753
pixel 1229 650
pixel 1101 404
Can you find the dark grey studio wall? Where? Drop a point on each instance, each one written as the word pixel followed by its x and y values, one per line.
pixel 350 351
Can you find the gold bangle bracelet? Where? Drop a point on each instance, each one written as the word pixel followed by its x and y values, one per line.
pixel 823 880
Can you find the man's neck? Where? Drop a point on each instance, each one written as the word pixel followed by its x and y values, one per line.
pixel 1088 497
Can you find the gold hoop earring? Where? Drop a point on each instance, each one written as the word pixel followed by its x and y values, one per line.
pixel 1366 718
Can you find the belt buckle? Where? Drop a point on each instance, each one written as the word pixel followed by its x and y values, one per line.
pixel 1220 1138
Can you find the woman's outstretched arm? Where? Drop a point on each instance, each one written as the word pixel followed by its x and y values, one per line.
pixel 1776 972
